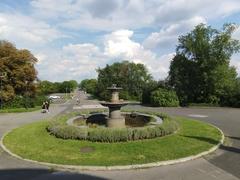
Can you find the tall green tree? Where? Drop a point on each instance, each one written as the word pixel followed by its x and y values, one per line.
pixel 89 85
pixel 47 87
pixel 67 86
pixel 200 71
pixel 19 70
pixel 130 76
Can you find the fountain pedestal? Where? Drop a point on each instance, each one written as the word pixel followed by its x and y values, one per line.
pixel 115 119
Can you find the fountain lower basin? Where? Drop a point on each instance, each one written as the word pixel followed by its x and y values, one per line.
pixel 131 119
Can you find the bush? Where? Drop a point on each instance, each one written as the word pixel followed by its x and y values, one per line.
pixel 110 135
pixel 67 132
pixel 164 98
pixel 107 135
pixel 24 102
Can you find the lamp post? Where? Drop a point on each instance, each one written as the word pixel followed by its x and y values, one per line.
pixel 2 75
pixel 26 94
pixel 66 91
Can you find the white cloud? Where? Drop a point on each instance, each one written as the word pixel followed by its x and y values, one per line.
pixel 26 31
pixel 109 15
pixel 160 67
pixel 50 20
pixel 235 61
pixel 55 8
pixel 236 34
pixel 79 61
pixel 73 61
pixel 118 45
pixel 167 37
pixel 41 57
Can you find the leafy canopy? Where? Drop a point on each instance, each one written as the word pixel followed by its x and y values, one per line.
pixel 200 71
pixel 128 75
pixel 19 71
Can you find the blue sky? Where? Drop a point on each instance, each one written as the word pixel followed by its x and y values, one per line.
pixel 72 38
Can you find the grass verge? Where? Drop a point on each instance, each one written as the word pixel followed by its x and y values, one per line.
pixel 33 142
pixel 18 110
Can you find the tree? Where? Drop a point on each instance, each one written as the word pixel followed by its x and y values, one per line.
pixel 89 85
pixel 74 84
pixel 47 87
pixel 20 71
pixel 130 76
pixel 200 71
pixel 147 90
pixel 68 86
pixel 182 78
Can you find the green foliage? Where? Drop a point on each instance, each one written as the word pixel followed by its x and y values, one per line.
pixel 110 135
pixel 47 87
pixel 67 132
pixel 150 87
pixel 68 86
pixel 164 98
pixel 200 71
pixel 232 98
pixel 107 135
pixel 128 75
pixel 24 101
pixel 89 85
pixel 20 74
pixel 32 141
pixel 20 110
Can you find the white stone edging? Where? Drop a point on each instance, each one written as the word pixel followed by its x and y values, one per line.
pixel 124 167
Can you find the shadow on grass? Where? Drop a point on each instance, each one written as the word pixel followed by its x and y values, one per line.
pixel 42 174
pixel 205 139
pixel 214 142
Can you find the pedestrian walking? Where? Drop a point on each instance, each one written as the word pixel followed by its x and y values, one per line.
pixel 78 101
pixel 47 106
pixel 44 107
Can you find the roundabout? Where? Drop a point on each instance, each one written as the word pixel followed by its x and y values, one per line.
pixel 218 164
pixel 192 140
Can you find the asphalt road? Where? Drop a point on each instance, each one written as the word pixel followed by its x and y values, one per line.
pixel 224 164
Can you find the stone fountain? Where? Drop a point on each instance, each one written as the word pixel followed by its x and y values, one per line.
pixel 115 119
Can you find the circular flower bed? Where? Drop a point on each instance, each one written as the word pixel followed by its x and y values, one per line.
pixel 102 134
pixel 33 142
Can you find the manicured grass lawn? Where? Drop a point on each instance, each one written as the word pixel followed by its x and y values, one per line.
pixel 17 110
pixel 33 142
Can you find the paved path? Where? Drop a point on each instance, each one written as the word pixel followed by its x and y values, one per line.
pixel 13 120
pixel 224 164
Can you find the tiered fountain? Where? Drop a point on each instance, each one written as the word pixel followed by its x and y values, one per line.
pixel 115 119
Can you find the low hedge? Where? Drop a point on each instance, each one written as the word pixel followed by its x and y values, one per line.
pixel 101 134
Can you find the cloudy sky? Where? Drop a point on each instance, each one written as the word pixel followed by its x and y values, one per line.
pixel 71 38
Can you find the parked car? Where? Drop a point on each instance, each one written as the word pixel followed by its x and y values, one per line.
pixel 54 97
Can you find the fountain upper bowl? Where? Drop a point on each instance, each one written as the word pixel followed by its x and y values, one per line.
pixel 114 104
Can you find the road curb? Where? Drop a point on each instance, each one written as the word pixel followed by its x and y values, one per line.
pixel 125 167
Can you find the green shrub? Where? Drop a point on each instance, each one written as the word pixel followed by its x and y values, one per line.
pixel 110 135
pixel 164 98
pixel 107 135
pixel 24 102
pixel 68 132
